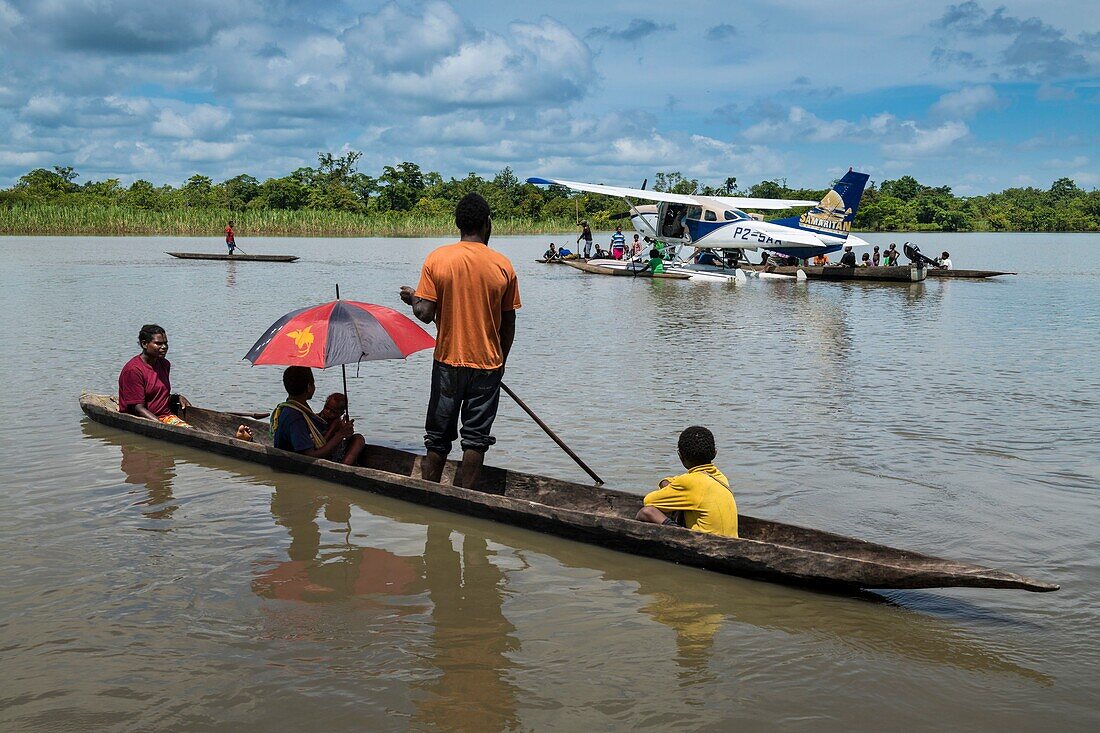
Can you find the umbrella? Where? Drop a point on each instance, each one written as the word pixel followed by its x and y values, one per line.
pixel 339 332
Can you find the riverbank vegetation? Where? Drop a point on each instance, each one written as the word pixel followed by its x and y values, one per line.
pixel 335 199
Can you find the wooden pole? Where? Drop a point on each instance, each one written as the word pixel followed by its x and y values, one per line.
pixel 552 434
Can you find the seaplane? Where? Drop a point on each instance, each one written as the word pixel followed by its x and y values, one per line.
pixel 719 223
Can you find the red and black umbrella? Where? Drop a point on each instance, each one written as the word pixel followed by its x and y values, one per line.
pixel 339 332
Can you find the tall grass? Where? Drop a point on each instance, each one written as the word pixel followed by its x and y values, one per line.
pixel 106 219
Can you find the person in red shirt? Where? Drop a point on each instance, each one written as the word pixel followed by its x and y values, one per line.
pixel 230 240
pixel 471 292
pixel 144 385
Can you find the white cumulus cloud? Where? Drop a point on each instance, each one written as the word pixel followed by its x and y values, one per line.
pixel 922 142
pixel 199 121
pixel 967 102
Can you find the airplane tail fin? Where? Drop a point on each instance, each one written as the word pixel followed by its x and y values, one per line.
pixel 837 210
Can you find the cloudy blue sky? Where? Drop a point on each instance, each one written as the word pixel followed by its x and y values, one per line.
pixel 975 95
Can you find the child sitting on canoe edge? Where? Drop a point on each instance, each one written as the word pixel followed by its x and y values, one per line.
pixel 702 496
pixel 295 427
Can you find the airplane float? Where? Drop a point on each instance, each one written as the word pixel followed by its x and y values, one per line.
pixel 718 222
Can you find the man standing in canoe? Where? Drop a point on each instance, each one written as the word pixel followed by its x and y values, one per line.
pixel 472 294
pixel 586 235
pixel 145 386
pixel 230 240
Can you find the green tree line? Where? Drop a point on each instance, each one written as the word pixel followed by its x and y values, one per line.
pixel 335 197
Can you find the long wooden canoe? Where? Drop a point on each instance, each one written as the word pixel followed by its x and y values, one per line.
pixel 623 272
pixel 900 273
pixel 766 550
pixel 875 274
pixel 232 258
pixel 968 274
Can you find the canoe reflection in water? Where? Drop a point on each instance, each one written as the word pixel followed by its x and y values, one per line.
pixel 696 605
pixel 470 636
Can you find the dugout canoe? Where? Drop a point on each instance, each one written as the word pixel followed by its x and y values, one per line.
pixel 900 274
pixel 766 550
pixel 623 272
pixel 966 274
pixel 871 274
pixel 232 258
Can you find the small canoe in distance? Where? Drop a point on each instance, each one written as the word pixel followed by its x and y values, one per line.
pixel 232 258
pixel 624 271
pixel 766 550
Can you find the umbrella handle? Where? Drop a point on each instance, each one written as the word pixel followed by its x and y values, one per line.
pixel 344 375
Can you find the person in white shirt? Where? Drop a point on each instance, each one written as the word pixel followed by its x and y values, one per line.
pixel 945 261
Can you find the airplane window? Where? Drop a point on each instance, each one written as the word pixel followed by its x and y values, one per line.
pixel 730 216
pixel 710 216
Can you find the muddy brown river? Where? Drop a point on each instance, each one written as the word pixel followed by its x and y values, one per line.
pixel 149 587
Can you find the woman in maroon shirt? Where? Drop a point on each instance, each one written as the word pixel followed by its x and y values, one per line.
pixel 145 386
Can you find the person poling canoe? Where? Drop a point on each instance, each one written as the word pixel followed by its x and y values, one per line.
pixel 472 294
pixel 230 238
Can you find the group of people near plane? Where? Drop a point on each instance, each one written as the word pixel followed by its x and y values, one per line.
pixel 471 293
pixel 890 257
pixel 617 250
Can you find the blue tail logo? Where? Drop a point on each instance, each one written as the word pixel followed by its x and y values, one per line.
pixel 835 213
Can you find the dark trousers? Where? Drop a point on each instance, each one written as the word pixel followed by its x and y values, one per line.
pixel 473 395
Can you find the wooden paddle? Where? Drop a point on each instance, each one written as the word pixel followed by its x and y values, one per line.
pixel 253 415
pixel 552 434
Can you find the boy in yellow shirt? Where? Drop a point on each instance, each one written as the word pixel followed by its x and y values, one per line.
pixel 703 494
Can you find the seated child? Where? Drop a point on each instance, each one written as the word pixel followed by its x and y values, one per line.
pixel 295 427
pixel 703 494
pixel 336 404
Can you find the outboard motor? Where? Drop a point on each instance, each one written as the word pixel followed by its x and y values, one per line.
pixel 912 251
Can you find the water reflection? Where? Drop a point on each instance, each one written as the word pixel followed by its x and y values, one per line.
pixel 473 641
pixel 231 275
pixel 471 636
pixel 333 572
pixel 154 469
pixel 696 605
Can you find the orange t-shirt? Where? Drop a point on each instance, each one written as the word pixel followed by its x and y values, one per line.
pixel 472 286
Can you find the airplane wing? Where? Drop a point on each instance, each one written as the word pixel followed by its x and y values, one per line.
pixel 672 198
pixel 675 198
pixel 742 202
